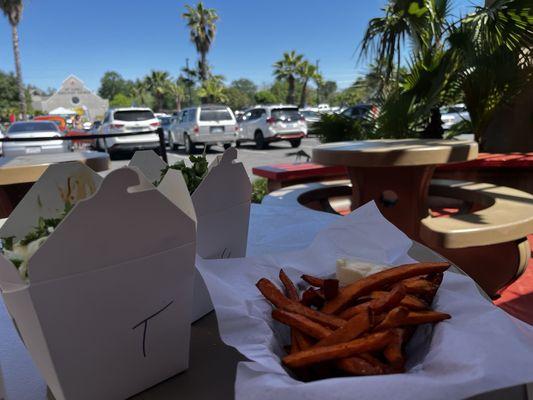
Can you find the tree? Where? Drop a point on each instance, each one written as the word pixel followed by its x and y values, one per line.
pixel 139 92
pixel 9 100
pixel 157 84
pixel 244 85
pixel 481 58
pixel 13 11
pixel 287 69
pixel 177 91
pixel 241 93
pixel 202 24
pixel 306 71
pixel 212 91
pixel 327 89
pixel 120 100
pixel 265 97
pixel 112 83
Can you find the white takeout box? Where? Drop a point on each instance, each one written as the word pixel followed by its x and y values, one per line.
pixel 220 205
pixel 106 313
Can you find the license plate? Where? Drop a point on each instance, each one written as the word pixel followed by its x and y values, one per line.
pixel 216 129
pixel 33 150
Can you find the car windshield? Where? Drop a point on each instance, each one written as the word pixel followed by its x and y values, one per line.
pixel 310 114
pixel 216 114
pixel 24 127
pixel 286 114
pixel 133 115
pixel 164 120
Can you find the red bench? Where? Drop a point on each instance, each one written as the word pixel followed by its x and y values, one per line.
pixel 512 170
pixel 282 175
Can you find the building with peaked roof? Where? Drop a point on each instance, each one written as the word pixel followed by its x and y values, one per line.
pixel 73 95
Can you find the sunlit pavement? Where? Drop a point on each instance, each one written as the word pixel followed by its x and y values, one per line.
pixel 276 153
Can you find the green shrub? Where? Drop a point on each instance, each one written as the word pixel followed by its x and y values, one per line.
pixel 259 190
pixel 338 128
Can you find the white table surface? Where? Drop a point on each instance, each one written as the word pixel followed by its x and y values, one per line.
pixel 212 367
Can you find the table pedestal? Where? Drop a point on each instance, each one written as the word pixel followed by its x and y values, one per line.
pixel 399 192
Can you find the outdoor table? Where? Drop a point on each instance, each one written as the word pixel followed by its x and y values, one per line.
pixel 17 174
pixel 394 173
pixel 212 367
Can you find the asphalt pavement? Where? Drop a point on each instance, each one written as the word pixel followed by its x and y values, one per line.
pixel 276 153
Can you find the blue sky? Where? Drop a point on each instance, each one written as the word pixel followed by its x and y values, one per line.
pixel 87 38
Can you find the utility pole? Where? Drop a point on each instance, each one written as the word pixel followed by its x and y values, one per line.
pixel 317 86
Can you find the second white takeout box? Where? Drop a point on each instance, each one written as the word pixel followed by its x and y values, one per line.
pixel 220 205
pixel 106 311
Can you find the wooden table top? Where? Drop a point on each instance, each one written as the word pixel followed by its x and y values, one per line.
pixel 27 169
pixel 392 152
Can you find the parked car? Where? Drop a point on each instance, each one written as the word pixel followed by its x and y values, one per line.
pixel 451 115
pixel 125 120
pixel 34 129
pixel 166 121
pixel 360 111
pixel 310 117
pixel 206 125
pixel 272 123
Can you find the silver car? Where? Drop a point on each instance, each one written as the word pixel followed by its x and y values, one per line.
pixel 206 125
pixel 34 129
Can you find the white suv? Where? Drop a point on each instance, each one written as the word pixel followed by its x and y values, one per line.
pixel 264 124
pixel 125 120
pixel 206 125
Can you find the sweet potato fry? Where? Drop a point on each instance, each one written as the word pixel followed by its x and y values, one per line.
pixel 313 280
pixel 304 341
pixel 378 281
pixel 393 351
pixel 301 323
pixel 350 312
pixel 359 366
pixel 373 342
pixel 292 292
pixel 420 287
pixel 351 330
pixel 388 301
pixel 274 295
pixel 413 303
pixel 313 297
pixel 330 288
pixel 395 317
pixel 412 318
pixel 295 347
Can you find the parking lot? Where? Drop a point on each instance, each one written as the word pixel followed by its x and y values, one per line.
pixel 276 153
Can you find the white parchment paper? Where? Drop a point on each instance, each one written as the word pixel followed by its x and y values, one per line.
pixel 480 349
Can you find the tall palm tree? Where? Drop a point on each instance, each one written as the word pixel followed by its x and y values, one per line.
pixel 202 24
pixel 13 11
pixel 178 92
pixel 287 69
pixel 157 84
pixel 307 71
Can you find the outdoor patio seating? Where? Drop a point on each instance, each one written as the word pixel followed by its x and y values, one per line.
pixel 487 238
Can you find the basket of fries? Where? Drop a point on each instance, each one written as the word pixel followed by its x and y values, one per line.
pixel 360 329
pixel 405 330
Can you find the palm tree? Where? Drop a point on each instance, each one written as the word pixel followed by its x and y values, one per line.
pixel 307 71
pixel 201 22
pixel 212 90
pixel 138 91
pixel 13 11
pixel 421 22
pixel 287 69
pixel 177 91
pixel 157 83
